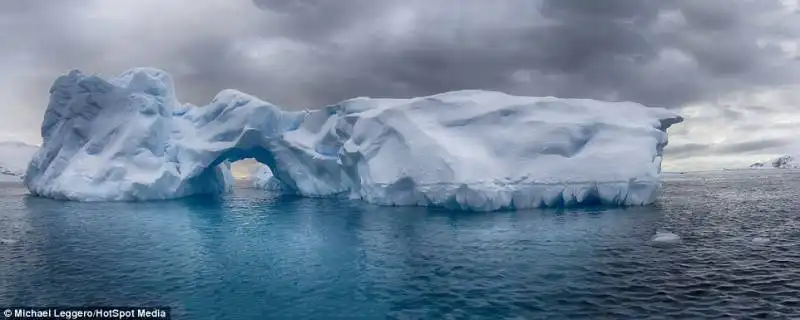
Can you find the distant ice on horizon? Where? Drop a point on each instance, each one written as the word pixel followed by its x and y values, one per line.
pixel 782 162
pixel 14 159
pixel 129 138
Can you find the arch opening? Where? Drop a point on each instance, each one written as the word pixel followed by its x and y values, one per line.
pixel 246 167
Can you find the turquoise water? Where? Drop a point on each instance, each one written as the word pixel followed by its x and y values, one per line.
pixel 253 255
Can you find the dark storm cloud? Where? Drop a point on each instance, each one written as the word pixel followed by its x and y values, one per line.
pixel 585 48
pixel 611 49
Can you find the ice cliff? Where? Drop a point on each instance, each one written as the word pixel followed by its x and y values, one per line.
pixel 129 138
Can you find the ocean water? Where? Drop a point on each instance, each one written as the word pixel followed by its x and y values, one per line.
pixel 254 255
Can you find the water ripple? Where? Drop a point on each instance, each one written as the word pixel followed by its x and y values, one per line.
pixel 256 256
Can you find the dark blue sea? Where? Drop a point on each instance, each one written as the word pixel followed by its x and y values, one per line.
pixel 255 255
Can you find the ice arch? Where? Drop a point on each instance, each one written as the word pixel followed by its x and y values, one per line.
pixel 130 139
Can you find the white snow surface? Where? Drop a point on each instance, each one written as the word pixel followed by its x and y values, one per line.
pixel 14 159
pixel 130 139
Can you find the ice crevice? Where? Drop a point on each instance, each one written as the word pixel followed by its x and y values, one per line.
pixel 130 139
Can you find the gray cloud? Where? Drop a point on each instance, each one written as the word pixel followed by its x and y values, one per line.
pixel 609 49
pixel 759 146
pixel 736 148
pixel 308 53
pixel 688 150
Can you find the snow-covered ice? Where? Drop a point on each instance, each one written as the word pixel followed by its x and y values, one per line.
pixel 14 159
pixel 130 139
pixel 665 238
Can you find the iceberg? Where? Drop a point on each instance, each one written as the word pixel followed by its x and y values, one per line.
pixel 14 159
pixel 782 162
pixel 129 139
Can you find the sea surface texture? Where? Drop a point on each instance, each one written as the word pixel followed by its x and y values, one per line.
pixel 255 255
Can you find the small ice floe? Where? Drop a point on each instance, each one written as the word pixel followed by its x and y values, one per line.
pixel 760 240
pixel 8 241
pixel 665 238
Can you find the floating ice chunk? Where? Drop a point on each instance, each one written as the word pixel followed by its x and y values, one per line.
pixel 665 238
pixel 8 241
pixel 760 240
pixel 130 139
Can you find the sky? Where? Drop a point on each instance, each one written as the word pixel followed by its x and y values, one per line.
pixel 730 67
